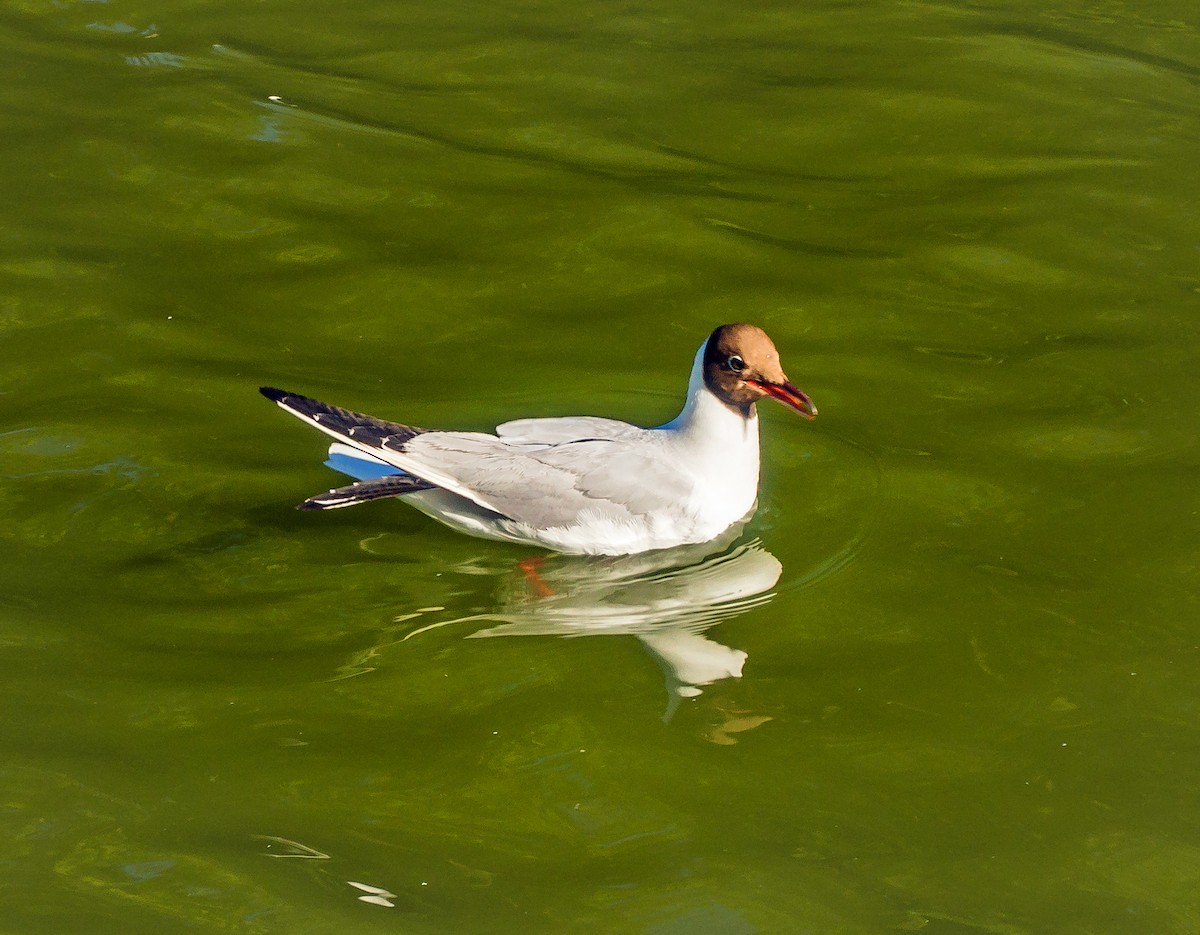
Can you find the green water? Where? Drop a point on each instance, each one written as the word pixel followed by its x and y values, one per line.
pixel 965 615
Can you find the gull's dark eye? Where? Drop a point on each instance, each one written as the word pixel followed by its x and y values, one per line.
pixel 735 363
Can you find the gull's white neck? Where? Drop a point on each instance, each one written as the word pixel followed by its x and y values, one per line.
pixel 716 447
pixel 717 434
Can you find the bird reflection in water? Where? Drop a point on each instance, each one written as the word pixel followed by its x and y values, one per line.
pixel 667 599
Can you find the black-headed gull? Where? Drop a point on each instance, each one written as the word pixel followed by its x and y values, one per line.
pixel 578 484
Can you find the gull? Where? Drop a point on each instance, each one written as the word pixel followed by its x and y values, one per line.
pixel 576 484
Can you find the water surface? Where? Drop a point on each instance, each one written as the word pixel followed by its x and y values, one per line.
pixel 945 680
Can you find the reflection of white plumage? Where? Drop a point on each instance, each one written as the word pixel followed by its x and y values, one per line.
pixel 667 599
pixel 579 484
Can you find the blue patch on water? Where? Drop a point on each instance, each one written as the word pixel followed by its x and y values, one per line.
pixel 156 60
pixel 713 919
pixel 147 870
pixel 269 131
pixel 113 27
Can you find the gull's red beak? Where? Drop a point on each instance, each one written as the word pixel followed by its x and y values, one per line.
pixel 788 395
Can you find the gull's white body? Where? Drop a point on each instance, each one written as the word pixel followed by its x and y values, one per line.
pixel 681 483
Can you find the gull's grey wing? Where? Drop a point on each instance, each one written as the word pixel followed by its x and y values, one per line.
pixel 619 480
pixel 603 469
pixel 562 429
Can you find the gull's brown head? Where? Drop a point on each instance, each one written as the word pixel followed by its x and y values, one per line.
pixel 741 366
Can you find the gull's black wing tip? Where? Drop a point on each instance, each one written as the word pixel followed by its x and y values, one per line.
pixel 391 485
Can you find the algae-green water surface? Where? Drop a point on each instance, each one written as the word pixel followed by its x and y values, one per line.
pixel 945 681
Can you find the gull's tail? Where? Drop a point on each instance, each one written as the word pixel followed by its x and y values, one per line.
pixel 364 435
